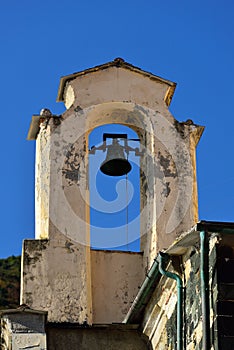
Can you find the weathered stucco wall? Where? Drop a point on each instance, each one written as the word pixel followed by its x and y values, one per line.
pixel 22 330
pixel 116 279
pixel 96 338
pixel 168 176
pixel 168 167
pixel 57 272
pixel 42 182
pixel 115 84
pixel 55 279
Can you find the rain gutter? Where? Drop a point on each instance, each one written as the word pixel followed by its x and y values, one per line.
pixel 163 257
pixel 144 293
pixel 204 277
pixel 157 269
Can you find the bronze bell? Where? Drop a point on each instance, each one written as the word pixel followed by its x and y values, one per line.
pixel 115 163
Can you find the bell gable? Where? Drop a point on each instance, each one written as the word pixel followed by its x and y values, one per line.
pixel 112 82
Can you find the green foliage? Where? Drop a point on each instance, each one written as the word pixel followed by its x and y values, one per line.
pixel 9 282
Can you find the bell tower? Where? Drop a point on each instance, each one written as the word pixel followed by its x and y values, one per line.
pixel 61 274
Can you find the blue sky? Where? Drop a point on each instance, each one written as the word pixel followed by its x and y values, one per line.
pixel 189 42
pixel 114 200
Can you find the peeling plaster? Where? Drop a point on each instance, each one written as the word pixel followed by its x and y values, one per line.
pixel 57 275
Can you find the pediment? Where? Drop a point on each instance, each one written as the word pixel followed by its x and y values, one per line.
pixel 117 72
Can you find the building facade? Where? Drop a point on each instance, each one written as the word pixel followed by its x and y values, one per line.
pixel 171 294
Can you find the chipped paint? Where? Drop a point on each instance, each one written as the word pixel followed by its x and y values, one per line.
pixel 60 276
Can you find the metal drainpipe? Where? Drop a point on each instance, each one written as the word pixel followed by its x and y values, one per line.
pixel 162 257
pixel 140 300
pixel 204 276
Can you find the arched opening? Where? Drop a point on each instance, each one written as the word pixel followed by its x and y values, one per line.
pixel 114 200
